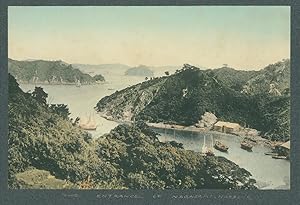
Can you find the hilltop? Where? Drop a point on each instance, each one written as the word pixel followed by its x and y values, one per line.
pixel 48 72
pixel 140 70
pixel 273 79
pixel 234 79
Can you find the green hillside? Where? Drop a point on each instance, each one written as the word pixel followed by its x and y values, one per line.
pixel 184 97
pixel 140 70
pixel 50 72
pixel 276 75
pixel 232 78
pixel 47 151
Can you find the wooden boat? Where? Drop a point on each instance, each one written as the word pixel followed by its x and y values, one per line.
pixel 220 146
pixel 85 127
pixel 269 153
pixel 279 157
pixel 209 152
pixel 246 146
pixel 88 125
pixel 251 139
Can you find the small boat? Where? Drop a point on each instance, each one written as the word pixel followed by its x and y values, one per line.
pixel 251 139
pixel 85 127
pixel 220 146
pixel 78 83
pixel 269 153
pixel 88 125
pixel 279 157
pixel 209 152
pixel 246 146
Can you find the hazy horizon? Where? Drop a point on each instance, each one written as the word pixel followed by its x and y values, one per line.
pixel 244 37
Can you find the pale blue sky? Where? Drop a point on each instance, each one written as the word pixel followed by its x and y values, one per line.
pixel 243 37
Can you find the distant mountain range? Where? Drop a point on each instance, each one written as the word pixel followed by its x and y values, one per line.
pixel 122 69
pixel 105 69
pixel 49 72
pixel 260 99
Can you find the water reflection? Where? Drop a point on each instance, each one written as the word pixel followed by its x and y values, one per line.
pixel 270 173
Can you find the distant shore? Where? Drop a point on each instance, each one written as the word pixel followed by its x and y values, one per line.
pixel 64 83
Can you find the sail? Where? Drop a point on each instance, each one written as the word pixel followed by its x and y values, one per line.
pixel 204 148
pixel 83 121
pixel 88 123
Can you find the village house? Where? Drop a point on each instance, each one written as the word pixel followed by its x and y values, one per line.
pixel 227 127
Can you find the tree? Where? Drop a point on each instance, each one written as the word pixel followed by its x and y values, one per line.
pixel 62 110
pixel 40 95
pixel 76 121
pixel 99 78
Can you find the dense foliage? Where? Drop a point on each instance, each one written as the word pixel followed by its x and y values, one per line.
pixel 184 97
pixel 41 138
pixel 277 74
pixel 147 163
pixel 54 72
pixel 274 117
pixel 232 78
pixel 130 156
pixel 203 93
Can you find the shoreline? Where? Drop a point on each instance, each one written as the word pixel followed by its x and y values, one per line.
pixel 257 139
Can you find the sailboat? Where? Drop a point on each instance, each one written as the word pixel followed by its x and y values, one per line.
pixel 204 147
pixel 78 83
pixel 89 124
pixel 207 151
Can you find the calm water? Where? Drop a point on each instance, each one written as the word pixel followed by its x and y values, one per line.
pixel 82 100
pixel 270 173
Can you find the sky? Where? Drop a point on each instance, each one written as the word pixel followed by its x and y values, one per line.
pixel 244 37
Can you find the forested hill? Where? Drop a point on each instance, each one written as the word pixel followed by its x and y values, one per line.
pixel 232 78
pixel 50 72
pixel 46 150
pixel 183 97
pixel 140 70
pixel 273 79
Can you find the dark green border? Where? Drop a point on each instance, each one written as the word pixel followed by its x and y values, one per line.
pixel 224 197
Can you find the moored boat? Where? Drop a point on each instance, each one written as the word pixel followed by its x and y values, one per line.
pixel 220 146
pixel 209 152
pixel 78 83
pixel 279 157
pixel 246 146
pixel 88 125
pixel 269 153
